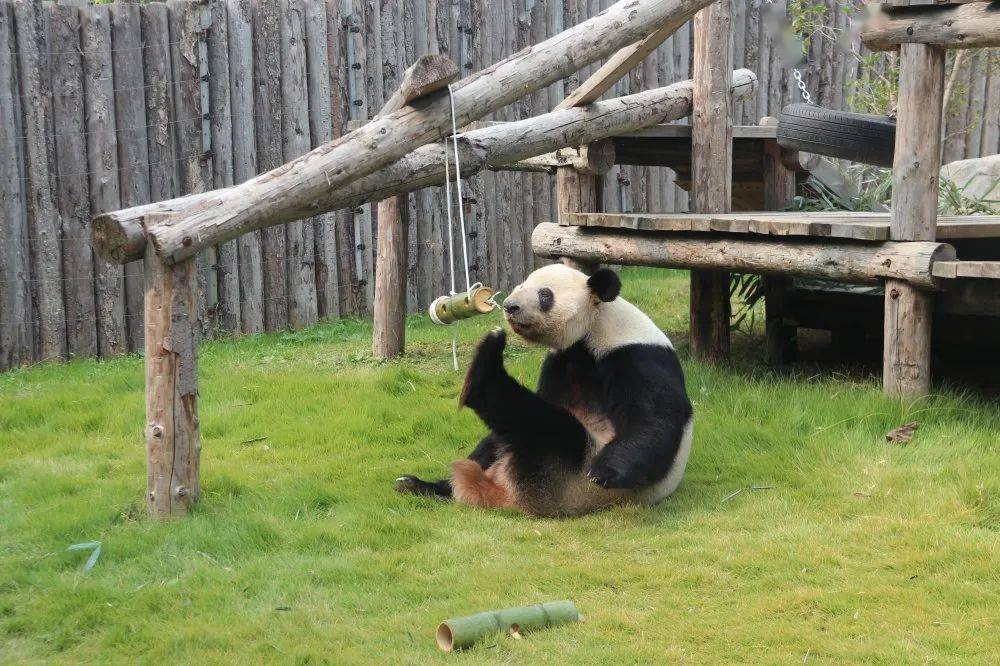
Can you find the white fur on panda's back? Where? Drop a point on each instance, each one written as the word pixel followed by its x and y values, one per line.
pixel 620 323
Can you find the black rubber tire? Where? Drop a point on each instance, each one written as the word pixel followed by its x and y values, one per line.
pixel 850 136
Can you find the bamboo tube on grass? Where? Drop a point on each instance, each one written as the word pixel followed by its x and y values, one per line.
pixel 461 632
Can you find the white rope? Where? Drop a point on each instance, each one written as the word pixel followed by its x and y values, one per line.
pixel 458 187
pixel 447 197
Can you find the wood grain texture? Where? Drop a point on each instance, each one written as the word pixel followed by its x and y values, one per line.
pixel 16 330
pixel 44 224
pixel 963 26
pixel 173 441
pixel 244 145
pixel 296 141
pixel 389 336
pixel 712 169
pixel 228 313
pixel 267 112
pixel 102 162
pixel 133 151
pixel 907 344
pixel 73 184
pixel 844 261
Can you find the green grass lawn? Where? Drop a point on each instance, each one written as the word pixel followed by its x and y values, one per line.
pixel 300 551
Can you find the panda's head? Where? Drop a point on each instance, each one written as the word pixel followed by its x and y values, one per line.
pixel 557 305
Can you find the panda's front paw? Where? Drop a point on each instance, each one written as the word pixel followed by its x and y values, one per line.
pixel 615 473
pixel 486 367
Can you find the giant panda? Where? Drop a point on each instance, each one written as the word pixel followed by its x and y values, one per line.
pixel 610 422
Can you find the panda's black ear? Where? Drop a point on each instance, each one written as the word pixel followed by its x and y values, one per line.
pixel 605 283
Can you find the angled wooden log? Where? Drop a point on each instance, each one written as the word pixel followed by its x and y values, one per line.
pixel 119 236
pixel 618 66
pixel 302 188
pixel 909 262
pixel 965 26
pixel 428 74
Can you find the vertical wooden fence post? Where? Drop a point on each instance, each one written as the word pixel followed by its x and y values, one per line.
pixel 576 192
pixel 390 278
pixel 712 169
pixel 779 190
pixel 173 444
pixel 907 345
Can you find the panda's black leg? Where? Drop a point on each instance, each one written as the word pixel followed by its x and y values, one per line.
pixel 525 423
pixel 411 485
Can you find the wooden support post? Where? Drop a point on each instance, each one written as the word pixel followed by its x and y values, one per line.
pixel 576 192
pixel 389 338
pixel 173 444
pixel 779 190
pixel 427 75
pixel 907 346
pixel 712 169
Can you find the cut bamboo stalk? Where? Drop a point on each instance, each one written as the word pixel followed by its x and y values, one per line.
pixel 462 632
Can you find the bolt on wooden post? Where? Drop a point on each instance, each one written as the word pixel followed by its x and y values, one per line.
pixel 907 345
pixel 712 169
pixel 173 442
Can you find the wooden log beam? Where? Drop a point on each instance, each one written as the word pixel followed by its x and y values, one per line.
pixel 910 263
pixel 906 351
pixel 712 169
pixel 173 443
pixel 965 26
pixel 117 236
pixel 594 159
pixel 302 187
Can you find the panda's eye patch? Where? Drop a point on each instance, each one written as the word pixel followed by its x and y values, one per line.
pixel 546 299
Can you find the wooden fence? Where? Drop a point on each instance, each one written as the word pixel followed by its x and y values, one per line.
pixel 108 106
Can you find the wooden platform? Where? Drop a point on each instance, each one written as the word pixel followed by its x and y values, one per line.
pixel 853 226
pixel 967 269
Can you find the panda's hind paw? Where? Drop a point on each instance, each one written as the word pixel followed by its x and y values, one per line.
pixel 614 475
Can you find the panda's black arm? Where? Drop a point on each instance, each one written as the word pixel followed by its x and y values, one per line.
pixel 646 402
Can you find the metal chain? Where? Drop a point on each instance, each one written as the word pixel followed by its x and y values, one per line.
pixel 797 73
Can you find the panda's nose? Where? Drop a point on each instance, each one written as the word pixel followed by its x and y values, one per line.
pixel 511 308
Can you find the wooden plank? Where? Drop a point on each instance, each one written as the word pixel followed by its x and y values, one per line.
pixel 16 330
pixel 39 159
pixel 227 315
pixel 296 141
pixel 102 162
pixel 133 151
pixel 779 191
pixel 267 110
pixel 239 16
pixel 967 269
pixel 73 185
